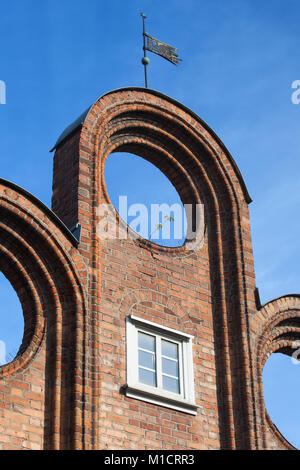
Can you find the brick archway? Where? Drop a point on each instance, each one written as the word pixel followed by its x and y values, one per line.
pixel 275 329
pixel 65 385
pixel 36 254
pixel 186 150
pixel 166 308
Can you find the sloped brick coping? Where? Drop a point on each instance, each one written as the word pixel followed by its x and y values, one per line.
pixel 73 127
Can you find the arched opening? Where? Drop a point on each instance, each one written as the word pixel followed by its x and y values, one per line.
pixel 11 322
pixel 145 199
pixel 281 381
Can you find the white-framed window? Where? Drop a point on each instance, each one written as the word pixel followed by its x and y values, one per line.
pixel 159 365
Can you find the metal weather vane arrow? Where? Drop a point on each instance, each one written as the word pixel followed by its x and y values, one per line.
pixel 157 47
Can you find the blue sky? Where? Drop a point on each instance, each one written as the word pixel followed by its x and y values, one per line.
pixel 240 58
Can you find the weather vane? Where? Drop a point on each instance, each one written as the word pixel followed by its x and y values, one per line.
pixel 158 47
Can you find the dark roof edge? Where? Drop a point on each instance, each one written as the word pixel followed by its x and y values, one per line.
pixel 71 128
pixel 281 297
pixel 52 216
pixel 78 123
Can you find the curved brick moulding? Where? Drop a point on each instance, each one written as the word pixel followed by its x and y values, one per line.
pixel 65 389
pixel 48 274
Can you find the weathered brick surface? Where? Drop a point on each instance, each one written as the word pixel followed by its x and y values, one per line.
pixel 208 293
pixel 40 260
pixel 65 388
pixel 275 328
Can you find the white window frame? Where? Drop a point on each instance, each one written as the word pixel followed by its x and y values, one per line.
pixel 183 401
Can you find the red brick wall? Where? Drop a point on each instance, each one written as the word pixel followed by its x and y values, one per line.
pixel 65 389
pixel 37 389
pixel 273 329
pixel 165 290
pixel 213 288
pixel 22 408
pixel 66 169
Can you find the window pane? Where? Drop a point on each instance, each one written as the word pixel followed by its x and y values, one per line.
pixel 169 349
pixel 172 385
pixel 170 367
pixel 147 377
pixel 147 342
pixel 147 360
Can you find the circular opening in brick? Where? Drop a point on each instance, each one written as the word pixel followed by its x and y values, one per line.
pixel 11 322
pixel 145 199
pixel 281 381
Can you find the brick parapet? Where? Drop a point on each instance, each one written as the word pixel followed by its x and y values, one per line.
pixel 65 389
